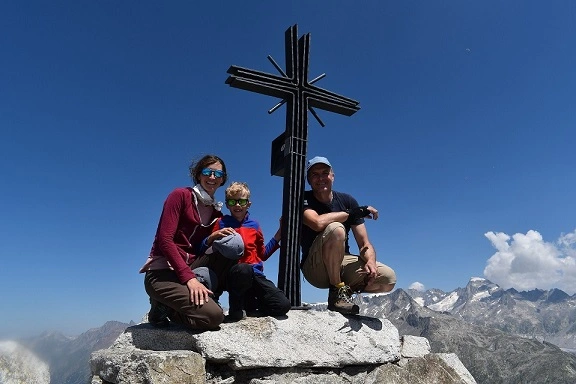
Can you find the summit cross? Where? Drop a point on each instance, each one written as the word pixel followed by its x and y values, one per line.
pixel 289 149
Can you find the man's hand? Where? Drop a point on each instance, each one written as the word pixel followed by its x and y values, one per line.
pixel 371 271
pixel 362 212
pixel 198 292
pixel 373 212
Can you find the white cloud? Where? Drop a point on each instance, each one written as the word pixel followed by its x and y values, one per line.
pixel 526 261
pixel 417 286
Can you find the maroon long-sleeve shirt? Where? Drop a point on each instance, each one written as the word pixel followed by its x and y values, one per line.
pixel 179 235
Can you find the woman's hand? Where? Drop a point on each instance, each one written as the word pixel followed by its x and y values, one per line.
pixel 198 292
pixel 220 234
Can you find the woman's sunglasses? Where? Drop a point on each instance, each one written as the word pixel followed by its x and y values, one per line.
pixel 215 172
pixel 233 202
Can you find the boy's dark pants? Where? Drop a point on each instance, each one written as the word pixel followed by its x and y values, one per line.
pixel 239 285
pixel 266 298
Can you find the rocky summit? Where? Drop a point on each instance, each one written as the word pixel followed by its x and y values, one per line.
pixel 304 346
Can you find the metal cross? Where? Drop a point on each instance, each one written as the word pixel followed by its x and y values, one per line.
pixel 289 149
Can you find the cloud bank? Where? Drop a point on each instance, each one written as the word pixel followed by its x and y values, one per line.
pixel 417 286
pixel 526 261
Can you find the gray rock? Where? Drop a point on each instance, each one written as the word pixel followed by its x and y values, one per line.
pixel 305 339
pixel 303 347
pixel 430 369
pixel 137 366
pixel 415 346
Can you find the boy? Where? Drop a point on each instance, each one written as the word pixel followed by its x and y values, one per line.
pixel 261 296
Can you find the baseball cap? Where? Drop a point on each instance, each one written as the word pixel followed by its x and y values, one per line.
pixel 317 160
pixel 231 246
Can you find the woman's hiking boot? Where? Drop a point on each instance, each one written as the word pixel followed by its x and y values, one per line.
pixel 158 314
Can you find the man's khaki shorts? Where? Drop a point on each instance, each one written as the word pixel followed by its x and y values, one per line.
pixel 352 268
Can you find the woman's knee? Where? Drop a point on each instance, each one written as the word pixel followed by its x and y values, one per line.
pixel 213 321
pixel 207 318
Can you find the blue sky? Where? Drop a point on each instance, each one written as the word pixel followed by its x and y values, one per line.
pixel 464 141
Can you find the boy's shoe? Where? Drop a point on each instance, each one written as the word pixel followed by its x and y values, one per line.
pixel 236 310
pixel 235 315
pixel 158 314
pixel 253 313
pixel 340 300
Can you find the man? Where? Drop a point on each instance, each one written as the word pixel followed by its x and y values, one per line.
pixel 326 260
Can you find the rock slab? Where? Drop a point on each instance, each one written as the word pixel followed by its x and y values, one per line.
pixel 302 347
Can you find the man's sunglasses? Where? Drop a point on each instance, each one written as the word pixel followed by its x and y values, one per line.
pixel 215 172
pixel 233 202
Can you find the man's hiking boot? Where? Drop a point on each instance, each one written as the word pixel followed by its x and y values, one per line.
pixel 340 300
pixel 158 314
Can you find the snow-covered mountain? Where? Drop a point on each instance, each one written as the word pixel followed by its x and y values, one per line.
pixel 543 315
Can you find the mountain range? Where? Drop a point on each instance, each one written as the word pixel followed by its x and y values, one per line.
pixel 491 355
pixel 68 357
pixel 501 336
pixel 537 314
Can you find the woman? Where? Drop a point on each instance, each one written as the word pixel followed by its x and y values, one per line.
pixel 178 279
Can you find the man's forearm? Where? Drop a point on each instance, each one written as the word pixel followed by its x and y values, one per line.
pixel 367 253
pixel 322 221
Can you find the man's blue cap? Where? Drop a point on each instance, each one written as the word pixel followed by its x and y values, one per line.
pixel 317 160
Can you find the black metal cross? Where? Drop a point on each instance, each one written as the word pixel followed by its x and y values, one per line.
pixel 290 147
